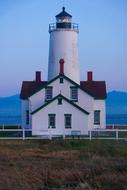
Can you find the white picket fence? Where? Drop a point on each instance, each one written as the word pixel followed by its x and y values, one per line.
pixel 116 134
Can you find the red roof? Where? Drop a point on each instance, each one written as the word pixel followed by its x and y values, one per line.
pixel 30 87
pixel 96 88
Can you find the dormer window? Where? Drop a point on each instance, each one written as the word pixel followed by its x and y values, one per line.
pixel 74 93
pixel 48 93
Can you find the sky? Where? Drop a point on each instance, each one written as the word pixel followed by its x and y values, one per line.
pixel 24 40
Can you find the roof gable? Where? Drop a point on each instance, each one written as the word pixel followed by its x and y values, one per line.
pixel 64 98
pixel 66 78
pixel 96 89
pixel 31 87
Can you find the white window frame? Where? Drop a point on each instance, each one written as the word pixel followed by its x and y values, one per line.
pixel 49 121
pixel 65 121
pixel 97 117
pixel 48 93
pixel 74 93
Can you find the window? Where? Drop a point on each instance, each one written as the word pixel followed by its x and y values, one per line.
pixel 52 121
pixel 27 117
pixel 74 93
pixel 59 101
pixel 67 120
pixel 61 80
pixel 97 117
pixel 48 93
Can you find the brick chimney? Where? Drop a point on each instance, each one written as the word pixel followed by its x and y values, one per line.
pixel 61 66
pixel 89 76
pixel 38 76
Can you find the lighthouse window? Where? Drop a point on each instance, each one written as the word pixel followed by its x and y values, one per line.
pixel 97 117
pixel 48 93
pixel 52 121
pixel 63 20
pixel 74 93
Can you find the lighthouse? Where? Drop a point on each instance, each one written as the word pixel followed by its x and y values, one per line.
pixel 63 44
pixel 63 105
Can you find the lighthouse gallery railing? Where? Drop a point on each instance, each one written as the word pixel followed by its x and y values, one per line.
pixel 73 26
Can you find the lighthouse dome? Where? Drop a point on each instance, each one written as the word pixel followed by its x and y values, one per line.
pixel 63 14
pixel 63 19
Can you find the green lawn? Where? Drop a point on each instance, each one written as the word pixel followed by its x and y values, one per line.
pixel 63 164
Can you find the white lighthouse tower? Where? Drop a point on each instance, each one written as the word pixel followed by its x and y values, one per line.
pixel 64 45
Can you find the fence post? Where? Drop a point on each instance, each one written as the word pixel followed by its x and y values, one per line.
pixel 3 127
pixel 64 134
pixel 117 137
pixel 50 133
pixel 23 133
pixel 90 136
pixel 50 136
pixel 18 126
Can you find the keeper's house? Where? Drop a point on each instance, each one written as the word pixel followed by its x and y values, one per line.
pixel 63 104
